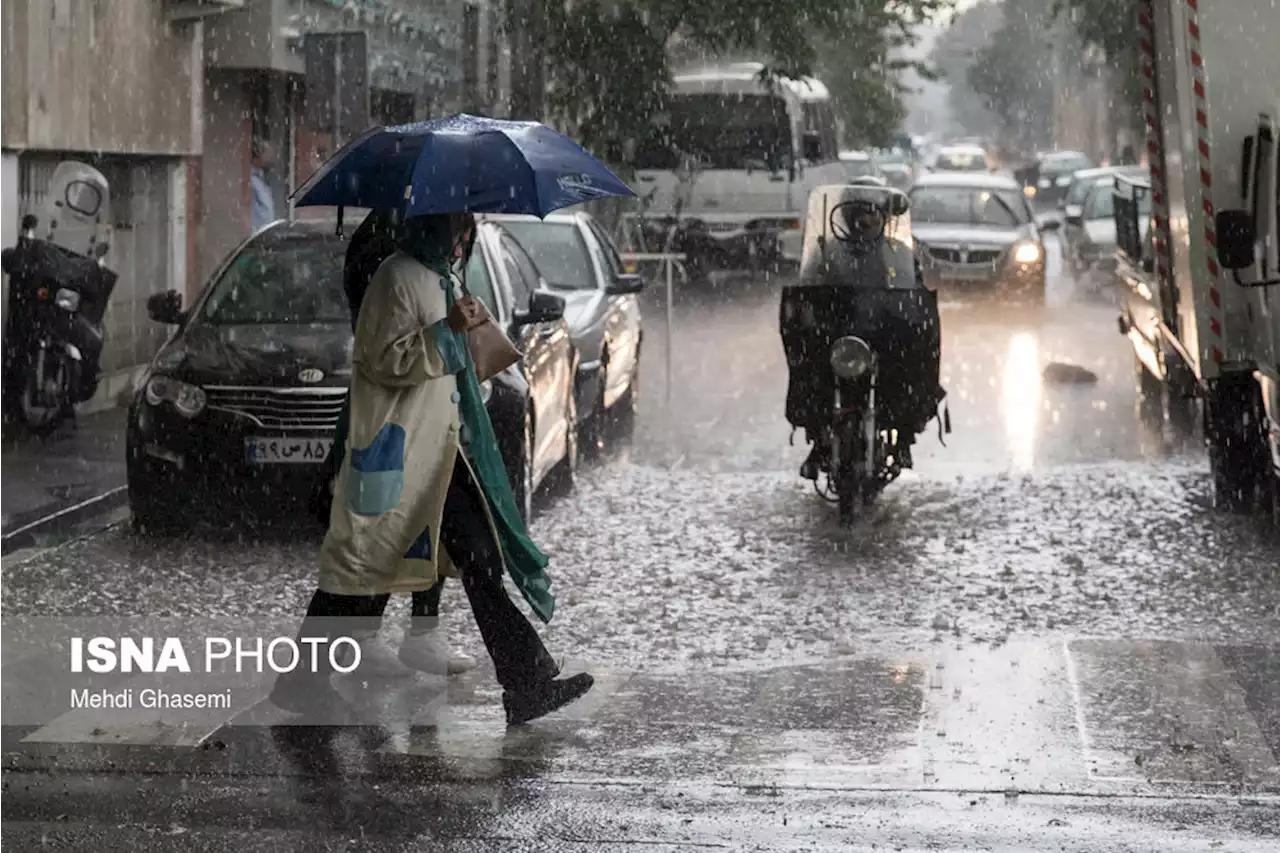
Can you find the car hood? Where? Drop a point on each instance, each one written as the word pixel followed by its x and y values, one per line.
pixel 1101 232
pixel 259 354
pixel 581 308
pixel 927 233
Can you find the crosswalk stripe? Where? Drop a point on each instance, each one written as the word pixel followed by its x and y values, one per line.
pixel 1165 712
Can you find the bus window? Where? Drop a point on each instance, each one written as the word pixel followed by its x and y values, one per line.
pixel 721 132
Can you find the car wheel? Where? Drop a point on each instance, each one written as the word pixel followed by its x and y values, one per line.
pixel 623 414
pixel 149 513
pixel 592 438
pixel 565 473
pixel 521 475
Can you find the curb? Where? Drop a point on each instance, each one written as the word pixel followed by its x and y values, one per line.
pixel 64 520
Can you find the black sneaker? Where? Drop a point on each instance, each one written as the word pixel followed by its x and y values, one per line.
pixel 313 697
pixel 812 465
pixel 546 697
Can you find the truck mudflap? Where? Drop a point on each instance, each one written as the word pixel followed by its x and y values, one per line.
pixel 1269 383
pixel 1240 453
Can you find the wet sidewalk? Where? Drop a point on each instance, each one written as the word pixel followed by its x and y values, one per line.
pixel 52 484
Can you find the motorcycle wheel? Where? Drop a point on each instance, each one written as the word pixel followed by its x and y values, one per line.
pixel 45 399
pixel 847 474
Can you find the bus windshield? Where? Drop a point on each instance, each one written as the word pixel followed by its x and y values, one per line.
pixel 720 132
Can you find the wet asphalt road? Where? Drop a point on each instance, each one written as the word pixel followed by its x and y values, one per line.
pixel 1040 639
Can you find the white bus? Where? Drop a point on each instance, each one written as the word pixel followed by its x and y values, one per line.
pixel 732 163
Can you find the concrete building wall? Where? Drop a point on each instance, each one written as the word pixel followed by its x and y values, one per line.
pixel 83 76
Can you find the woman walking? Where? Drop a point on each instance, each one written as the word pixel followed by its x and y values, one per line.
pixel 424 649
pixel 422 490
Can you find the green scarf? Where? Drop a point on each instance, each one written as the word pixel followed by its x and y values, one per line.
pixel 427 239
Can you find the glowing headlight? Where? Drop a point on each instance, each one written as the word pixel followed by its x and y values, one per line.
pixel 67 299
pixel 851 357
pixel 1026 253
pixel 187 399
pixel 1029 191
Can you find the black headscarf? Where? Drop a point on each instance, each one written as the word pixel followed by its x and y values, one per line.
pixel 371 244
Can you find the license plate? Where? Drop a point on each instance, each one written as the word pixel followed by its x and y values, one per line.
pixel 272 451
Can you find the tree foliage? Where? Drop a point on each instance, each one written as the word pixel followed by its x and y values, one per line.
pixel 955 52
pixel 1014 73
pixel 609 61
pixel 1111 25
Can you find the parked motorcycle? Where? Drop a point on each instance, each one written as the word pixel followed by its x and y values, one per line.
pixel 863 344
pixel 59 287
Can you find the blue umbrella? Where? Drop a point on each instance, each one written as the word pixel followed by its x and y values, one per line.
pixel 460 164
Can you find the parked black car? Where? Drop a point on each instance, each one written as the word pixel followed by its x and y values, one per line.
pixel 238 409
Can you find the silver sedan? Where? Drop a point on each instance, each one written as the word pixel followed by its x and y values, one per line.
pixel 602 307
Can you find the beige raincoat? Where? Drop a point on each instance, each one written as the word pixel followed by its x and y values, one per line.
pixel 384 527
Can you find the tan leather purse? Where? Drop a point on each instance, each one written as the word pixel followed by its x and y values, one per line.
pixel 491 350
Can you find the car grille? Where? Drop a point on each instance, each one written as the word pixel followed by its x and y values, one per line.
pixel 280 408
pixel 972 256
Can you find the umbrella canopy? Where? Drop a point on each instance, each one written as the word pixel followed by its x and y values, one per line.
pixel 461 164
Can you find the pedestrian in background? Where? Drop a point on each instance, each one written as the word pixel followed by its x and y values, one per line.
pixel 262 202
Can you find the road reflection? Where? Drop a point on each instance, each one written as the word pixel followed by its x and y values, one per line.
pixel 1020 398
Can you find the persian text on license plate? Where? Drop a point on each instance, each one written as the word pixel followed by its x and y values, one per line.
pixel 267 451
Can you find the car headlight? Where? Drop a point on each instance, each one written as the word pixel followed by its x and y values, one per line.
pixel 1045 183
pixel 1063 181
pixel 67 299
pixel 1026 253
pixel 1029 191
pixel 851 357
pixel 187 399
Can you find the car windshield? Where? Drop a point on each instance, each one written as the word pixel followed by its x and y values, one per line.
pixel 968 206
pixel 558 250
pixel 281 280
pixel 1101 202
pixel 858 168
pixel 1065 165
pixel 961 161
pixel 1078 192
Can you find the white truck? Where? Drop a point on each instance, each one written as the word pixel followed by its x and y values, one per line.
pixel 1201 279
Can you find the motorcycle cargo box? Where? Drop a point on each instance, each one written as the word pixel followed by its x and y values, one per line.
pixel 878 296
pixel 40 263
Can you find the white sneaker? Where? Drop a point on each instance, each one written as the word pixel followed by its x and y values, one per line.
pixel 427 651
pixel 377 660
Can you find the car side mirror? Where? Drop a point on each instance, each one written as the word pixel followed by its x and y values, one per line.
pixel 29 222
pixel 1237 235
pixel 544 307
pixel 625 285
pixel 100 249
pixel 899 204
pixel 165 307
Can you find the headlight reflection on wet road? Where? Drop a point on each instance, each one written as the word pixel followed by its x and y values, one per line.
pixel 1020 396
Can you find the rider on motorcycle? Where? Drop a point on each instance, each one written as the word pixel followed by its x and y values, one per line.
pixel 853 252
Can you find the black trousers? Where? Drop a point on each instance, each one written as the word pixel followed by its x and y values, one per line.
pixel 520 660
